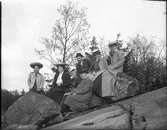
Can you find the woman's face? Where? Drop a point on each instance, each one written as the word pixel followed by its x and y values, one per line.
pixel 79 58
pixel 83 76
pixel 113 49
pixel 60 69
pixel 74 73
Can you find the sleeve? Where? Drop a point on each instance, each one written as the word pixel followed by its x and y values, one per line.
pixel 103 65
pixel 29 81
pixel 84 89
pixel 67 80
pixel 54 80
pixel 42 82
pixel 88 64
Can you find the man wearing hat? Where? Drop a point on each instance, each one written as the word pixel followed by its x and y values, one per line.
pixel 83 63
pixel 60 84
pixel 36 80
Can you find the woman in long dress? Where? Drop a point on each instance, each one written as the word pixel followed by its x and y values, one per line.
pixel 104 83
pixel 79 97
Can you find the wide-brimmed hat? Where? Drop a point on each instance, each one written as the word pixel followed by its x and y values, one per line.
pixel 79 54
pixel 112 44
pixel 96 53
pixel 32 65
pixel 86 53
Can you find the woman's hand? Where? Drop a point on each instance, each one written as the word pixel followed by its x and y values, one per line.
pixel 59 84
pixel 69 93
pixel 74 94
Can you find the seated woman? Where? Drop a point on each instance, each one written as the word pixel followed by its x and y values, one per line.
pixel 102 78
pixel 60 84
pixel 80 96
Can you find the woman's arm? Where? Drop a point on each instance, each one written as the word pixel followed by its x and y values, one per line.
pixel 117 64
pixel 42 82
pixel 84 88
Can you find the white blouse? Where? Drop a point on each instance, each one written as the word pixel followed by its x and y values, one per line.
pixel 59 79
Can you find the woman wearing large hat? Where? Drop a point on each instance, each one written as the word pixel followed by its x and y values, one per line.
pixel 36 80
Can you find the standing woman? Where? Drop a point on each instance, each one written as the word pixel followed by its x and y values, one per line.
pixel 36 80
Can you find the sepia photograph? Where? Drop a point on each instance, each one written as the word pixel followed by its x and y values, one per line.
pixel 83 64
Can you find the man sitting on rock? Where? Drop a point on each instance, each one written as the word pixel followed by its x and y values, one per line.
pixel 36 80
pixel 79 98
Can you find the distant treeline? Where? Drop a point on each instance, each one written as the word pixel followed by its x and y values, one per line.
pixel 8 98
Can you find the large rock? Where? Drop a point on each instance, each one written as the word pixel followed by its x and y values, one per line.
pixel 115 117
pixel 32 109
pixel 142 112
pixel 151 105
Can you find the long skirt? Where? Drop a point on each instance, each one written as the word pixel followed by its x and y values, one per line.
pixel 56 94
pixel 104 85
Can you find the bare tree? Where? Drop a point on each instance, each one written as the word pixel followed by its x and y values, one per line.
pixel 146 62
pixel 69 35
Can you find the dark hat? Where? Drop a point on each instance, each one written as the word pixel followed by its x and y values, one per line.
pixel 96 53
pixel 112 44
pixel 32 65
pixel 62 65
pixel 79 54
pixel 54 69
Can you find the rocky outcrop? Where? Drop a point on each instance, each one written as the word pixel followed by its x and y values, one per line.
pixel 146 111
pixel 115 117
pixel 32 109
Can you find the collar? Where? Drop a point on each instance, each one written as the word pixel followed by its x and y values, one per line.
pixel 61 73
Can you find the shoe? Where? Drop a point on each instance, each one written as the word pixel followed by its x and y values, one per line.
pixel 67 114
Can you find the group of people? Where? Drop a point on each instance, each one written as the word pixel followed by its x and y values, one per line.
pixel 93 75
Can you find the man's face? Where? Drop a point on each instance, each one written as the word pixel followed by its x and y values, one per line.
pixel 36 69
pixel 74 73
pixel 79 58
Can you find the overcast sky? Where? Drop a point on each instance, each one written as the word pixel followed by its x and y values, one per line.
pixel 25 21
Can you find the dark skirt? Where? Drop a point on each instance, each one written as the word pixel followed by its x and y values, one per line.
pixel 97 86
pixel 56 94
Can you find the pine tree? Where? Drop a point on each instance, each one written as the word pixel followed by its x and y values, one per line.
pixel 22 92
pixel 94 44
